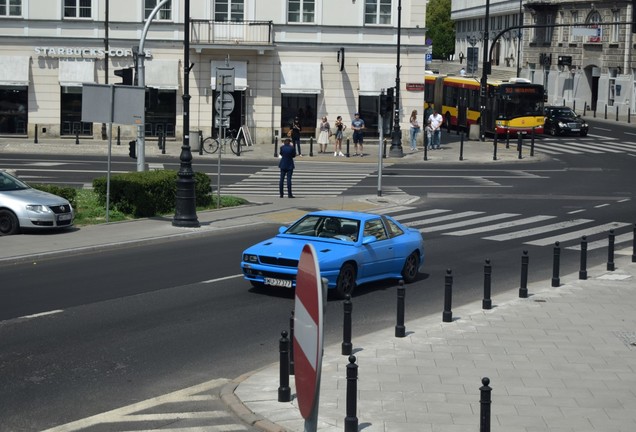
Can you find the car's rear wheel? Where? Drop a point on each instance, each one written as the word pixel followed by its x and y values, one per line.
pixel 411 267
pixel 8 223
pixel 552 130
pixel 346 281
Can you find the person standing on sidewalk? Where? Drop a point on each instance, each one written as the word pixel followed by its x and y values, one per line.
pixel 436 121
pixel 340 127
pixel 357 124
pixel 295 135
pixel 415 129
pixel 286 164
pixel 323 136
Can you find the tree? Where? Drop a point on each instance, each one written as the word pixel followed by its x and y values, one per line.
pixel 440 29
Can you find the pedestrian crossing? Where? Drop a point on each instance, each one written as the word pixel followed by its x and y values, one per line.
pixel 309 179
pixel 536 230
pixel 591 144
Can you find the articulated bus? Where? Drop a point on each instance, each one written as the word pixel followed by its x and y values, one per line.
pixel 515 106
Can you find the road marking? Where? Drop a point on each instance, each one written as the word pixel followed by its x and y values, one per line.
pixel 502 225
pixel 577 211
pixel 422 213
pixel 222 278
pixel 470 222
pixel 601 205
pixel 443 218
pixel 538 230
pixel 577 234
pixel 41 314
pixel 598 244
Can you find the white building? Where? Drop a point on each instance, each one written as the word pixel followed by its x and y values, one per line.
pixel 291 58
pixel 581 51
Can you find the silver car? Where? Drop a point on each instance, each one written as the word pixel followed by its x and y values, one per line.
pixel 23 207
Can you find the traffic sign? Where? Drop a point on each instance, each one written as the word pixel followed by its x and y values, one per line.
pixel 228 104
pixel 308 332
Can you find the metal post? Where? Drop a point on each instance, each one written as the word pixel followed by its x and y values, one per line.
pixel 523 290
pixel 494 147
pixel 583 266
pixel 348 154
pixel 484 402
pixel 634 245
pixel 76 136
pixel 461 147
pixel 555 265
pixel 400 329
pixel 605 116
pixel 616 112
pixel 351 420
pixel 118 135
pixel 507 138
pixel 532 142
pixel 610 251
pixel 584 108
pixel 35 139
pixel 346 346
pixel 519 144
pixel 275 147
pixel 425 151
pixel 284 392
pixel 447 316
pixel 486 303
pixel 396 135
pixel 311 146
pixel 291 343
pixel 629 114
pixel 163 143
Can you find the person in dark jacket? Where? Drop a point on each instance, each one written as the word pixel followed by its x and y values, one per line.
pixel 295 135
pixel 286 165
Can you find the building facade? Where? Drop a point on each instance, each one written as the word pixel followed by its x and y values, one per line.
pixel 581 51
pixel 291 58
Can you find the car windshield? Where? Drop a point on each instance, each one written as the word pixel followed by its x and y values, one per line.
pixel 562 112
pixel 326 226
pixel 9 183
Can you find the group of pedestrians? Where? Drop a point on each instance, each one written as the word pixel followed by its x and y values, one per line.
pixel 432 130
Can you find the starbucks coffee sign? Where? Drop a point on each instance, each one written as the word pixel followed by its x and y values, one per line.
pixel 84 52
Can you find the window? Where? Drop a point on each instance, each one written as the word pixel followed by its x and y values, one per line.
pixel 575 20
pixel 11 8
pixel 377 12
pixel 375 228
pixel 302 106
pixel 228 10
pixel 14 111
pixel 77 8
pixel 616 17
pixel 547 35
pixel 560 20
pixel 71 113
pixel 594 20
pixel 165 13
pixel 301 11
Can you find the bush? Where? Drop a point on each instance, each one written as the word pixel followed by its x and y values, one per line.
pixel 149 193
pixel 65 192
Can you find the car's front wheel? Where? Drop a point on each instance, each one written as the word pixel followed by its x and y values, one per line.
pixel 552 130
pixel 583 133
pixel 8 223
pixel 346 281
pixel 411 267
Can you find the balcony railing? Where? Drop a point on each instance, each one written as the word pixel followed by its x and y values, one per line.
pixel 231 32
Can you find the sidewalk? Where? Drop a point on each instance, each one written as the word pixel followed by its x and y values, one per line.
pixel 562 360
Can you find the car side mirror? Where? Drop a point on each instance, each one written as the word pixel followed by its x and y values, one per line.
pixel 282 229
pixel 368 239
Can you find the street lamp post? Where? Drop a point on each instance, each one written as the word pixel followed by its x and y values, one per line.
pixel 396 137
pixel 485 70
pixel 519 39
pixel 185 210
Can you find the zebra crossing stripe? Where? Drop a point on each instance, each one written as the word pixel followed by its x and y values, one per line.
pixel 470 222
pixel 577 234
pixel 443 218
pixel 422 213
pixel 605 147
pixel 538 230
pixel 502 225
pixel 624 146
pixel 598 244
pixel 560 148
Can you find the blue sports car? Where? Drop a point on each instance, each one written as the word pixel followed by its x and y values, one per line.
pixel 352 248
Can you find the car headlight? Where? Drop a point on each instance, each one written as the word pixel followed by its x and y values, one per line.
pixel 562 125
pixel 250 258
pixel 38 208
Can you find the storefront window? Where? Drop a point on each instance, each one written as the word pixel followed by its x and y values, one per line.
pixel 369 113
pixel 161 112
pixel 71 113
pixel 13 110
pixel 302 106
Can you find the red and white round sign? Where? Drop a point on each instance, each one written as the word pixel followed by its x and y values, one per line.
pixel 308 331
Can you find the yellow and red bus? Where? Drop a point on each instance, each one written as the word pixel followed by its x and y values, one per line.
pixel 515 105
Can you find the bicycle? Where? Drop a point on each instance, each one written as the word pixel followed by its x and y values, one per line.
pixel 211 145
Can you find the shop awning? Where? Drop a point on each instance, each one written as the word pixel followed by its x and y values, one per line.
pixel 14 70
pixel 300 78
pixel 73 73
pixel 375 77
pixel 240 73
pixel 162 74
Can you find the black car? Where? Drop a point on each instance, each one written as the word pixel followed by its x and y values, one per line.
pixel 561 120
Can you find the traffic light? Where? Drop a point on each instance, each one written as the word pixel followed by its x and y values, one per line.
pixel 132 149
pixel 126 75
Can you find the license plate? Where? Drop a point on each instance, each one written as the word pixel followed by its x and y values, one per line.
pixel 285 283
pixel 64 217
pixel 575 130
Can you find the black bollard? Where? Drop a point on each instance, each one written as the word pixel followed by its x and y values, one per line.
pixel 507 138
pixel 461 147
pixel 118 135
pixel 163 143
pixel 532 143
pixel 486 303
pixel 311 146
pixel 584 108
pixel 555 265
pixel 634 245
pixel 159 140
pixel 284 392
pixel 384 149
pixel 616 112
pixel 629 114
pixel 400 329
pixel 425 152
pixel 291 343
pixel 346 328
pixel 275 147
pixel 523 289
pixel 595 110
pixel 494 147
pixel 348 154
pixel 519 144
pixel 484 404
pixel 35 139
pixel 583 267
pixel 447 316
pixel 76 136
pixel 610 251
pixel 573 105
pixel 351 420
pixel 605 118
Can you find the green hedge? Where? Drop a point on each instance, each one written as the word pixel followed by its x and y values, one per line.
pixel 68 193
pixel 149 193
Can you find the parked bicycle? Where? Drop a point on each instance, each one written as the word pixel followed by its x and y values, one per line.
pixel 211 145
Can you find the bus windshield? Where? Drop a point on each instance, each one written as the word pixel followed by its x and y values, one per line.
pixel 520 101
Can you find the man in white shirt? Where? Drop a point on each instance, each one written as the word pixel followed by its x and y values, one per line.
pixel 436 121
